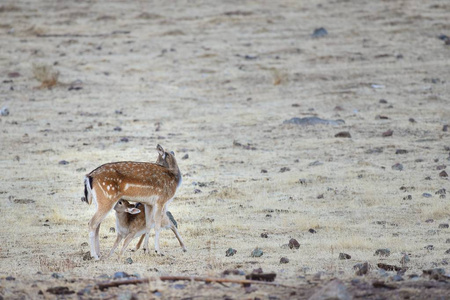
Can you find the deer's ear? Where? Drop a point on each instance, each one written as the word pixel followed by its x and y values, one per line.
pixel 133 211
pixel 173 153
pixel 161 151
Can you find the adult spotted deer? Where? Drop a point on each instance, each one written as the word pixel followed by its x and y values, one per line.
pixel 130 223
pixel 153 184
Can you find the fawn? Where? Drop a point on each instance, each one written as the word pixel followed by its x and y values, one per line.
pixel 130 223
pixel 152 184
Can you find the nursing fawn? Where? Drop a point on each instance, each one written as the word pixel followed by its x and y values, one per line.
pixel 130 223
pixel 152 184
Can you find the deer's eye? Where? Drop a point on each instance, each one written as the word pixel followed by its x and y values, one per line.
pixel 120 202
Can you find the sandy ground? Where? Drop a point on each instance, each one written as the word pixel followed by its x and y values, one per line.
pixel 216 82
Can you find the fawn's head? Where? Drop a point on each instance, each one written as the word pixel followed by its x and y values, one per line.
pixel 166 159
pixel 123 206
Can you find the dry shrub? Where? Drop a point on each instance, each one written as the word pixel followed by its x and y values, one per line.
pixel 279 77
pixel 46 75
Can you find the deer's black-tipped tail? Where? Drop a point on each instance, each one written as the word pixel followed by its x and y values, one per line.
pixel 87 190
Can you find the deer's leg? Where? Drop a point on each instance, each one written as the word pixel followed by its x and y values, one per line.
pixel 116 243
pixel 94 228
pixel 140 242
pixel 159 212
pixel 177 234
pixel 149 217
pixel 127 241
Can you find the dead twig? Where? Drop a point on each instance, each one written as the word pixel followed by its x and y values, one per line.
pixel 245 282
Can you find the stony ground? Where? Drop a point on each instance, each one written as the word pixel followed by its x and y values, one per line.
pixel 89 82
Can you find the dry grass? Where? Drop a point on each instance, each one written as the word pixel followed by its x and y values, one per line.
pixel 230 122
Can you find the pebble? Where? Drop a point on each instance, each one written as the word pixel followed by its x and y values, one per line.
pixel 128 261
pixel 10 278
pixel 264 235
pixel 4 111
pixel 284 260
pixel 447 252
pixel 388 133
pixel 311 230
pixel 405 259
pixel 119 275
pixel 401 151
pixel 443 174
pixel 427 195
pixel 186 156
pixel 57 275
pixel 443 225
pixel 197 191
pixel 257 252
pixel 412 120
pixel 441 191
pixel 315 163
pixel 397 167
pixel 343 134
pixel 87 256
pixel 117 128
pixel 344 256
pixel 293 243
pixel 284 169
pixel 445 128
pixel 397 277
pixel 441 167
pixel 263 171
pixel 382 252
pixel 124 140
pixel 63 162
pixel 447 241
pixel 112 229
pixel 230 252
pixel 319 32
pixel 361 268
pixel 313 121
pixel 429 247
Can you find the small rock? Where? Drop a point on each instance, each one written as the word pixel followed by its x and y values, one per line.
pixel 84 244
pixel 447 252
pixel 13 74
pixel 124 140
pixel 315 163
pixel 230 252
pixel 63 162
pixel 397 167
pixel 60 290
pixel 382 252
pixel 4 111
pixel 344 256
pixel 405 259
pixel 119 275
pixel 387 133
pixel 284 169
pixel 284 260
pixel 447 241
pixel 197 191
pixel 445 128
pixel 361 268
pixel 412 120
pixel 319 32
pixel 383 101
pixel 443 225
pixel 320 196
pixel 117 128
pixel 441 167
pixel 335 290
pixel 397 277
pixel 263 171
pixel 429 220
pixel 87 256
pixel 186 156
pixel 112 229
pixel 57 275
pixel 443 174
pixel 401 151
pixel 409 197
pixel 441 191
pixel 429 247
pixel 435 274
pixel 128 261
pixel 257 252
pixel 426 195
pixel 294 244
pixel 311 230
pixel 10 278
pixel 264 235
pixel 343 134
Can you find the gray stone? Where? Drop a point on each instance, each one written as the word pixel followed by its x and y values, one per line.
pixel 257 252
pixel 382 252
pixel 335 290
